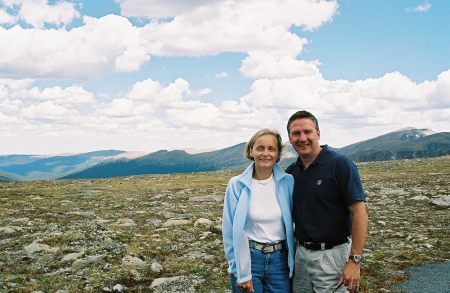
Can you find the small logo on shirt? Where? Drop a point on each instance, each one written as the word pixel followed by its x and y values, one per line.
pixel 319 182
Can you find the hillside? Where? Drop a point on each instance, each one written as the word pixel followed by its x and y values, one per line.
pixel 167 162
pixel 389 141
pixel 32 167
pixel 162 233
pixel 403 144
pixel 406 143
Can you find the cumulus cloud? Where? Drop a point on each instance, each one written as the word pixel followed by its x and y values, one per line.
pixel 6 18
pixel 47 111
pixel 151 110
pixel 37 13
pixel 71 96
pixel 112 44
pixel 149 114
pixel 166 9
pixel 101 46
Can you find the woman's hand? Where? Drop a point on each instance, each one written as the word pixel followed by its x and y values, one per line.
pixel 247 286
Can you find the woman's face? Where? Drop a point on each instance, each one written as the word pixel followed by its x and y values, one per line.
pixel 265 152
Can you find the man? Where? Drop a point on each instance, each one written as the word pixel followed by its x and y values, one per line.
pixel 329 212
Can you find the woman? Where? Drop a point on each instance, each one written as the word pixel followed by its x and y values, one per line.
pixel 257 222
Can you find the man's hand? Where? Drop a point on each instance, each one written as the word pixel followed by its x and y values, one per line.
pixel 351 276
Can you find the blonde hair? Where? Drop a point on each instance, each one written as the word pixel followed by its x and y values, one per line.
pixel 258 134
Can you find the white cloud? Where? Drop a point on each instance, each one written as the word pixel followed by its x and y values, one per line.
pixel 309 14
pixel 266 65
pixel 6 18
pixel 112 44
pixel 144 90
pixel 101 46
pixel 70 96
pixel 158 9
pixel 243 26
pixel 10 107
pixel 438 92
pixel 420 8
pixel 150 114
pixel 221 75
pixel 119 108
pixel 38 12
pixel 47 111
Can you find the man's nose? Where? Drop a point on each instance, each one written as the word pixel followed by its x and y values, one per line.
pixel 302 136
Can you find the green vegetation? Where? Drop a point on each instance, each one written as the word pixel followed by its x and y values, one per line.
pixel 118 217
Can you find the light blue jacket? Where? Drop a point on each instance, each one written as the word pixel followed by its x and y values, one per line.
pixel 235 210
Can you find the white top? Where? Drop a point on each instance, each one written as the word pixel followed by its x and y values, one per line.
pixel 264 221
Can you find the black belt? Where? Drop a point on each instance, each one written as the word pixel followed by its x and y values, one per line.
pixel 322 245
pixel 267 247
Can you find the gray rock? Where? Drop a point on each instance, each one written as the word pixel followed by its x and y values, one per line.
pixel 73 256
pixel 420 197
pixel 210 198
pixel 155 222
pixel 156 267
pixel 442 201
pixel 180 284
pixel 125 222
pixel 202 221
pixel 131 261
pixel 175 222
pixel 119 288
pixel 7 230
pixel 33 247
pixel 82 263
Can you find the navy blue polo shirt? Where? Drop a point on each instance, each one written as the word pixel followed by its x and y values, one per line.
pixel 322 194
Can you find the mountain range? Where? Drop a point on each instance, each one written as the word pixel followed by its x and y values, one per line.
pixel 406 143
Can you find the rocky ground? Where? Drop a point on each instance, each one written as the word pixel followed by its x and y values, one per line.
pixel 161 233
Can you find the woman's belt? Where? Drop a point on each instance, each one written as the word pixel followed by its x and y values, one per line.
pixel 267 247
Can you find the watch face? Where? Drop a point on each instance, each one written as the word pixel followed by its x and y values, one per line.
pixel 357 258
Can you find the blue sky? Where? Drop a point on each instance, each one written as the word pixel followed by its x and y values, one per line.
pixel 135 75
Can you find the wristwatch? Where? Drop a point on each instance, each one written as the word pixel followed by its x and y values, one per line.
pixel 356 258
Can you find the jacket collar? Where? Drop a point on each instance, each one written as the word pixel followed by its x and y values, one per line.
pixel 246 176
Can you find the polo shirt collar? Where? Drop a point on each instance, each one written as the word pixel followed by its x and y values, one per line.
pixel 321 158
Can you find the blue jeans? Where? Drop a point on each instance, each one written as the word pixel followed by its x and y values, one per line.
pixel 270 272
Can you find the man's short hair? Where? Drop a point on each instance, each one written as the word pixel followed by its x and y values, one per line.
pixel 301 115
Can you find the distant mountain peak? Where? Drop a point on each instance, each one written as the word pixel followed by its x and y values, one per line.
pixel 193 151
pixel 425 131
pixel 411 133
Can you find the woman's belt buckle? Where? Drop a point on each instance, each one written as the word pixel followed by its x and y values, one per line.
pixel 270 248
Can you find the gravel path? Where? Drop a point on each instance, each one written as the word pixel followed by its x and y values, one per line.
pixel 427 279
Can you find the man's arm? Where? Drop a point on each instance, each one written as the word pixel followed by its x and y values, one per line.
pixel 352 274
pixel 359 226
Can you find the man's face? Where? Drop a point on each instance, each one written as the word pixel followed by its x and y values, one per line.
pixel 304 137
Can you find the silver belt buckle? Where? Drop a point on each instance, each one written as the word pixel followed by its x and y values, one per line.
pixel 268 246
